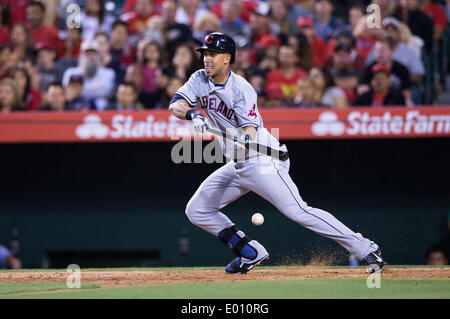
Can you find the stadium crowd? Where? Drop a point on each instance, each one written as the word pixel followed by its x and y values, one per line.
pixel 134 54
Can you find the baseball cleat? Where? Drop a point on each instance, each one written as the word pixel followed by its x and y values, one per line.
pixel 242 265
pixel 374 262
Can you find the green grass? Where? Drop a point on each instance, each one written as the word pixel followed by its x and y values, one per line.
pixel 277 289
pixel 16 288
pixel 282 289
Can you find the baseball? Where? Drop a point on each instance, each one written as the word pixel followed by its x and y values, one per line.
pixel 257 219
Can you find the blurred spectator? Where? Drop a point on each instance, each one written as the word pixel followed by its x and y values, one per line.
pixel 49 70
pixel 247 7
pixel 137 19
pixel 206 24
pixel 258 81
pixel 400 76
pixel 94 18
pixel 64 14
pixel 437 255
pixel 381 93
pixel 5 23
pixel 8 260
pixel 6 63
pixel 153 80
pixel 232 24
pixel 325 90
pixel 155 31
pixel 130 5
pixel 279 23
pixel 325 23
pixel 72 44
pixel 21 43
pixel 400 51
pixel 366 33
pixel 447 10
pixel 345 75
pixel 286 77
pixel 246 61
pixel 318 46
pixel 40 32
pixel 387 7
pixel 10 96
pixel 184 63
pixel 355 14
pixel 345 37
pixel 411 40
pixel 305 96
pixel 304 53
pixel 172 86
pixel 55 99
pixel 175 33
pixel 133 72
pixel 190 11
pixel 436 11
pixel 29 91
pixel 260 23
pixel 73 95
pixel 17 10
pixel 418 22
pixel 270 45
pixel 98 80
pixel 126 98
pixel 294 10
pixel 122 53
pixel 104 48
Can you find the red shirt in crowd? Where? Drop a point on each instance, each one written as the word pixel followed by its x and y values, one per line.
pixel 130 5
pixel 4 35
pixel 248 6
pixel 34 99
pixel 319 51
pixel 74 53
pixel 17 9
pixel 437 12
pixel 288 86
pixel 47 35
pixel 134 21
pixel 364 45
pixel 378 99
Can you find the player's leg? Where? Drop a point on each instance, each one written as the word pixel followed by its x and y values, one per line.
pixel 203 210
pixel 217 190
pixel 275 185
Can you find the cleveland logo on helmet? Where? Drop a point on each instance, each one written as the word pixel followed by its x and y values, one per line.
pixel 219 42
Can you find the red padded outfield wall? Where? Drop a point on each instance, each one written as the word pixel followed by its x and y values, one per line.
pixel 160 125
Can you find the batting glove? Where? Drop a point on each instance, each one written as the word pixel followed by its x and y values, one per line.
pixel 198 120
pixel 243 138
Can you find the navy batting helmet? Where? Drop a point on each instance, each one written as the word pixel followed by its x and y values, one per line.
pixel 219 42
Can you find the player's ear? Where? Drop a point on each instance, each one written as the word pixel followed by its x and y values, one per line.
pixel 228 58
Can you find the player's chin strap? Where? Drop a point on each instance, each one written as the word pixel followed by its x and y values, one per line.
pixel 238 242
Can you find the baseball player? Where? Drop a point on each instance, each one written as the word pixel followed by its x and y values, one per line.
pixel 229 102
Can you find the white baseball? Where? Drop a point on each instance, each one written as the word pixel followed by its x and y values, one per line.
pixel 257 219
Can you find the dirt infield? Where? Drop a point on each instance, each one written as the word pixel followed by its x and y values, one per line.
pixel 150 277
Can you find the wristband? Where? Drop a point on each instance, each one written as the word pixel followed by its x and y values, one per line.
pixel 192 113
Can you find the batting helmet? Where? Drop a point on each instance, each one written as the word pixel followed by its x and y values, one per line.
pixel 219 42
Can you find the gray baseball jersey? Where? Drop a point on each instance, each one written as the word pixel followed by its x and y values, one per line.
pixel 231 106
pixel 228 107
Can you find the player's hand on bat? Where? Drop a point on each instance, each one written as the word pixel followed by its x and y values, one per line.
pixel 244 142
pixel 199 122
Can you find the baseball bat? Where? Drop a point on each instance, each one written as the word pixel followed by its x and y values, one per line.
pixel 260 148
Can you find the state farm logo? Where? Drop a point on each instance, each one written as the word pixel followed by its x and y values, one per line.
pixel 127 127
pixel 328 124
pixel 92 127
pixel 367 124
